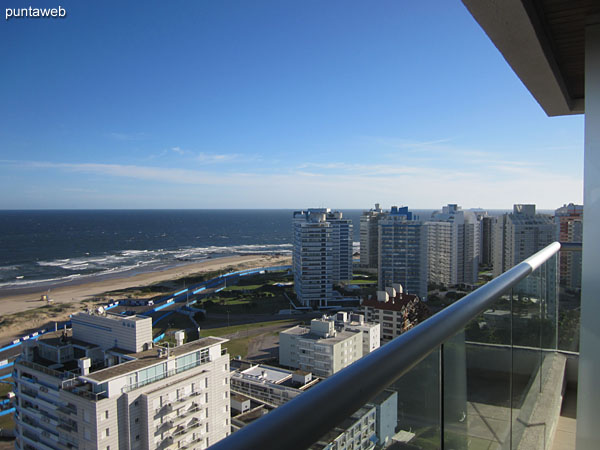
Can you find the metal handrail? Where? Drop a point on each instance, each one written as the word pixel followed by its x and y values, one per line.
pixel 303 420
pixel 570 246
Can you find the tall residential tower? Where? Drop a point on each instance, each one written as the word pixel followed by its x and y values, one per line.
pixel 403 251
pixel 453 246
pixel 322 254
pixel 369 237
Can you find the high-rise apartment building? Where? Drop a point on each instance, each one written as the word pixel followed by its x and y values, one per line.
pixel 453 242
pixel 518 235
pixel 403 251
pixel 569 228
pixel 105 385
pixel 369 237
pixel 487 224
pixel 322 254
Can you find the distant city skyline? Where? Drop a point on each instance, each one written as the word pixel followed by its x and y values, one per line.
pixel 267 104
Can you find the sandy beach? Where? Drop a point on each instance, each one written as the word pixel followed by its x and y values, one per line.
pixel 76 293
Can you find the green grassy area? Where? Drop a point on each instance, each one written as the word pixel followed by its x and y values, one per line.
pixel 255 294
pixel 5 388
pixel 237 347
pixel 243 287
pixel 7 422
pixel 362 281
pixel 245 327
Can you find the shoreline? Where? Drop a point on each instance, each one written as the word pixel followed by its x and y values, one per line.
pixel 76 291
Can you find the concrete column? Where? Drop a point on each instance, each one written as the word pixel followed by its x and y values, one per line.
pixel 588 398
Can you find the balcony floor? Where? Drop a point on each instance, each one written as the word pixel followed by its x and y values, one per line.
pixel 564 437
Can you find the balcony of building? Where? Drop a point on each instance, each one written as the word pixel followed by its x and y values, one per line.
pixel 491 371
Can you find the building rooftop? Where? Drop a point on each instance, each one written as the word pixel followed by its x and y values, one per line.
pixel 239 397
pixel 397 303
pixel 304 331
pixel 267 373
pixel 60 338
pixel 148 358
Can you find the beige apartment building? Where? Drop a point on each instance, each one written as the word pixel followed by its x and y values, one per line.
pixel 395 311
pixel 320 348
pixel 105 385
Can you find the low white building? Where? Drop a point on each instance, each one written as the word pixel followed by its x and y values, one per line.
pixel 329 344
pixel 271 385
pixel 370 331
pixel 357 432
pixel 320 348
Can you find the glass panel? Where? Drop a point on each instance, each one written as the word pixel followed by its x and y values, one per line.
pixel 419 405
pixel 528 301
pixel 569 305
pixel 480 360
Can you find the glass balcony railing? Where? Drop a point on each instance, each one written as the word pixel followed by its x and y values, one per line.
pixel 485 372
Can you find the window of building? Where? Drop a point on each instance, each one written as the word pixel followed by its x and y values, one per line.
pixel 106 414
pixel 107 432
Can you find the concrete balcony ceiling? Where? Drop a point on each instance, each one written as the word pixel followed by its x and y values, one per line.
pixel 544 43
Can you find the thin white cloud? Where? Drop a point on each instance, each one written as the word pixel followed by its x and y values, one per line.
pixel 338 185
pixel 211 158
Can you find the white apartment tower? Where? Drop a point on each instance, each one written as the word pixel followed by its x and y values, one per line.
pixel 369 237
pixel 453 238
pixel 403 251
pixel 322 254
pixel 518 235
pixel 105 385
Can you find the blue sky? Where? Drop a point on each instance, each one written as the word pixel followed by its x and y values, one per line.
pixel 272 104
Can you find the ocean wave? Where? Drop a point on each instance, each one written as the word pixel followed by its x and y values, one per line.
pixel 22 283
pixel 55 263
pixel 89 266
pixel 134 252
